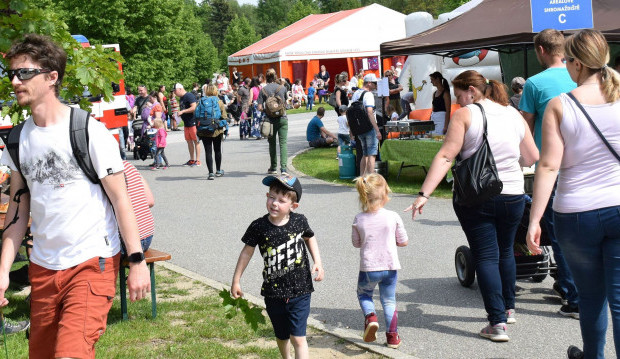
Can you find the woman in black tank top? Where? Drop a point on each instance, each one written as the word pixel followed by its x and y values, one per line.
pixel 442 103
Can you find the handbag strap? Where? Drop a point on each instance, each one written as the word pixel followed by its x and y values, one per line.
pixel 484 117
pixel 611 149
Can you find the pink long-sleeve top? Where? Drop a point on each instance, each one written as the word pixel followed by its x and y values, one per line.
pixel 160 138
pixel 376 234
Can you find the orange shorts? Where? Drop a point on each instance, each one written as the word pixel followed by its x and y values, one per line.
pixel 69 308
pixel 190 133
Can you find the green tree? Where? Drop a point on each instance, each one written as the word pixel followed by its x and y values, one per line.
pixel 220 16
pixel 272 14
pixel 89 67
pixel 162 40
pixel 239 35
pixel 301 9
pixel 328 6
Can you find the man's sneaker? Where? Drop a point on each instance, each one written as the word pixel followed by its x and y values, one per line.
pixel 560 292
pixel 197 163
pixel 272 172
pixel 371 325
pixel 569 310
pixel 284 173
pixel 194 164
pixel 510 316
pixel 188 163
pixel 496 333
pixel 392 340
pixel 574 353
pixel 211 177
pixel 12 327
pixel 219 173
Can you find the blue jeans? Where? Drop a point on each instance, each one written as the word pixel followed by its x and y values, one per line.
pixel 565 278
pixel 490 229
pixel 366 283
pixel 370 143
pixel 591 244
pixel 310 103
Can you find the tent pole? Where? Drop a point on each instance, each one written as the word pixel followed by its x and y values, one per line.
pixel 525 62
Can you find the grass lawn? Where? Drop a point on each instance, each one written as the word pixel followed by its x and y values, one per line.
pixel 302 108
pixel 321 163
pixel 191 323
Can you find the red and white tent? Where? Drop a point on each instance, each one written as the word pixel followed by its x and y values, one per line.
pixel 347 40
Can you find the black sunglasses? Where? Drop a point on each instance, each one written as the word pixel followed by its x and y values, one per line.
pixel 569 59
pixel 26 74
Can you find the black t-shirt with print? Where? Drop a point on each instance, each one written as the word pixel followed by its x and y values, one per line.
pixel 285 256
pixel 185 102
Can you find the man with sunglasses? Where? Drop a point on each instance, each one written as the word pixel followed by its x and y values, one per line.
pixel 75 259
pixel 537 92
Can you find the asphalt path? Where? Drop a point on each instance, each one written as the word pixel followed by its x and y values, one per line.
pixel 201 223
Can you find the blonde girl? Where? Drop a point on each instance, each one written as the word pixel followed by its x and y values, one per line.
pixel 377 232
pixel 160 142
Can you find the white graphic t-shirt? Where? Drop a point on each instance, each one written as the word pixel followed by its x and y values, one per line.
pixel 72 220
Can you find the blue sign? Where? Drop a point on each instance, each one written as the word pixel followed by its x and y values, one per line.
pixel 561 14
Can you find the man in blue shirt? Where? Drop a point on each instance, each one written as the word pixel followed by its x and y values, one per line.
pixel 538 90
pixel 316 133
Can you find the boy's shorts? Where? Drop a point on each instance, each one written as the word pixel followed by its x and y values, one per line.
pixel 289 316
pixel 69 308
pixel 190 133
pixel 369 142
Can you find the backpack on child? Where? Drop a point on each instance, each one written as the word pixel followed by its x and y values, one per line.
pixel 208 114
pixel 357 117
pixel 274 105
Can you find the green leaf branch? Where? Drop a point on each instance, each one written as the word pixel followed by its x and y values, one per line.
pixel 252 314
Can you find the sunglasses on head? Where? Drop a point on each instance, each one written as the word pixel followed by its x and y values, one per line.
pixel 26 74
pixel 569 59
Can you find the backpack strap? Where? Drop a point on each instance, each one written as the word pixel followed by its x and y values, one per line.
pixel 78 135
pixel 13 145
pixel 361 99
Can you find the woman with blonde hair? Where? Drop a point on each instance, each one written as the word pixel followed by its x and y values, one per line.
pixel 490 226
pixel 581 141
pixel 340 91
pixel 212 141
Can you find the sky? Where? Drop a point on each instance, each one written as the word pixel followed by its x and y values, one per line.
pixel 253 2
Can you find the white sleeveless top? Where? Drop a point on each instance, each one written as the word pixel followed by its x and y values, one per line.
pixel 505 129
pixel 589 174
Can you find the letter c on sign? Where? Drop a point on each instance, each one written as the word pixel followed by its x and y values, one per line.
pixel 562 18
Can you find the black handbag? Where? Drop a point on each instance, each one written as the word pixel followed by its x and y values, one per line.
pixel 475 178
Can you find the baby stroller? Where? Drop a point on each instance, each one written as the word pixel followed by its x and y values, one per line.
pixel 143 143
pixel 536 267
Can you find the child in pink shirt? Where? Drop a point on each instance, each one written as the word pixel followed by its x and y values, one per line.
pixel 377 232
pixel 160 142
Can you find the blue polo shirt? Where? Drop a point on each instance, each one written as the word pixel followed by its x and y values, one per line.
pixel 539 90
pixel 313 131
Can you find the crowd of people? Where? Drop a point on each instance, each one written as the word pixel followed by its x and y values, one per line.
pixel 566 118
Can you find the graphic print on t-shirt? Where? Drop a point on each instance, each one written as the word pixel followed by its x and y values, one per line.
pixel 51 168
pixel 280 260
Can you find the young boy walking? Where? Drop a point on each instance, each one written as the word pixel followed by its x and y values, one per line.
pixel 283 238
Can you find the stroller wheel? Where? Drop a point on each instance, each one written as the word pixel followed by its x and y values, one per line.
pixel 464 264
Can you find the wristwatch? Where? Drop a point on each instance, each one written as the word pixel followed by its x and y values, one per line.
pixel 136 257
pixel 422 194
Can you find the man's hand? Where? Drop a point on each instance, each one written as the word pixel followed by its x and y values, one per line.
pixel 378 134
pixel 4 285
pixel 138 281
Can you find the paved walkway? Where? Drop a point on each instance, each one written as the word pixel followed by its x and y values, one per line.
pixel 201 223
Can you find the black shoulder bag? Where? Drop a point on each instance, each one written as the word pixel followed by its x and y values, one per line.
pixel 611 149
pixel 475 178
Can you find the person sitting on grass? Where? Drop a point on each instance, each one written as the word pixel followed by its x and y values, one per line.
pixel 316 133
pixel 284 239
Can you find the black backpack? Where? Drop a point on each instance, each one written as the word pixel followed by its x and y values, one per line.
pixel 78 135
pixel 357 117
